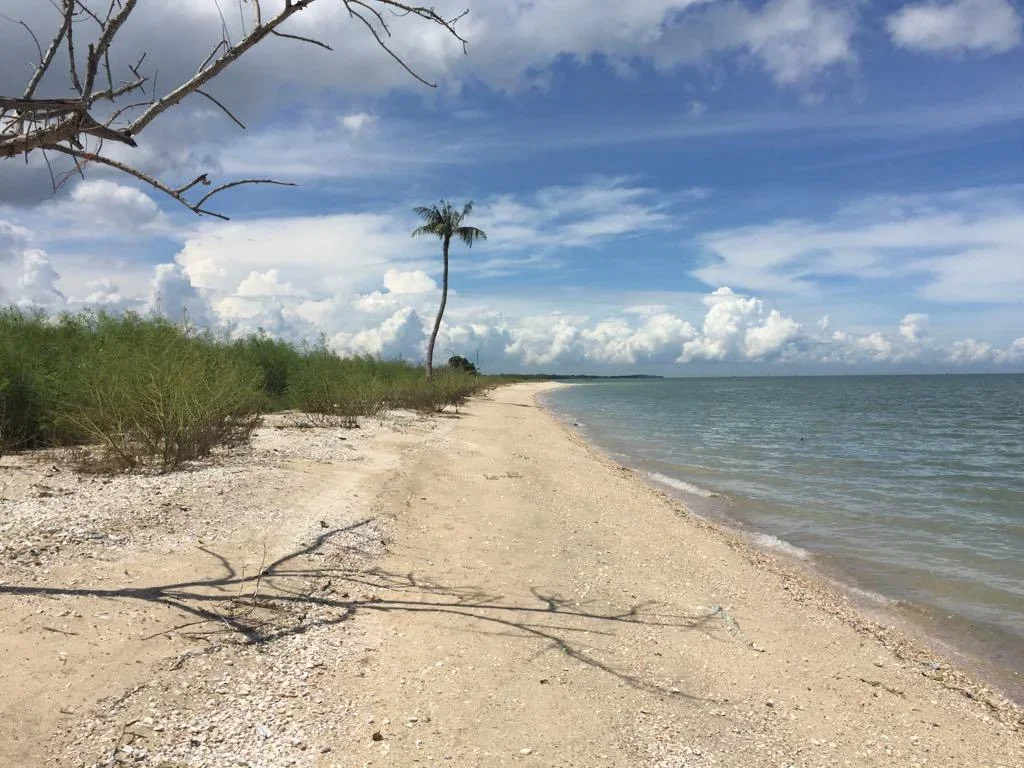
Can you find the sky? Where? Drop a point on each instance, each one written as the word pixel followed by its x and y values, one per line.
pixel 674 187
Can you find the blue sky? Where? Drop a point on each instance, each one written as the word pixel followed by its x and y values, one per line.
pixel 670 187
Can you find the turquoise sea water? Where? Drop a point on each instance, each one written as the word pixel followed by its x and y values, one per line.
pixel 906 487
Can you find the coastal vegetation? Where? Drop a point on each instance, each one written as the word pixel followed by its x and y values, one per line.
pixel 142 391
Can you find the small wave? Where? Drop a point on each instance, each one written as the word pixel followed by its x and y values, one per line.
pixel 874 597
pixel 682 485
pixel 768 541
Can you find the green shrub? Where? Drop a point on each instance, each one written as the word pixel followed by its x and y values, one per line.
pixel 336 392
pixel 448 387
pixel 40 368
pixel 415 395
pixel 454 387
pixel 154 395
pixel 458 362
pixel 278 362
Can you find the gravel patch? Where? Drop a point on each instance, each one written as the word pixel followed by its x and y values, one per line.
pixel 50 514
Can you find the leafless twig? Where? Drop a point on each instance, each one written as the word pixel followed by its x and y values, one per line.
pixel 177 194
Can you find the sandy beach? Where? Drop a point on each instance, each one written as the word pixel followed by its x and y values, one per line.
pixel 475 590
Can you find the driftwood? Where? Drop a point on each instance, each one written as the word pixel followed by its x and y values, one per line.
pixel 105 108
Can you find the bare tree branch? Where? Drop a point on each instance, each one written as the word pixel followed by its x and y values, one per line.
pixel 204 75
pixel 382 44
pixel 232 184
pixel 53 179
pixel 226 110
pixel 121 110
pixel 99 51
pixel 69 10
pixel 112 93
pixel 200 179
pixel 66 125
pixel 47 58
pixel 303 39
pixel 45 106
pixel 28 29
pixel 179 193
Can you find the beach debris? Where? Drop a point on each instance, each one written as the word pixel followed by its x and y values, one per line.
pixel 377 736
pixel 730 623
pixel 883 686
pixel 503 476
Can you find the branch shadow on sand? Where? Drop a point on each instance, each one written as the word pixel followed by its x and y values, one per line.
pixel 315 586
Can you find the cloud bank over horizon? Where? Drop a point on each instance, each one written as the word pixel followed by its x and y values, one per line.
pixel 289 277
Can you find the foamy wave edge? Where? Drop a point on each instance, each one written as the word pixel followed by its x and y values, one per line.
pixel 767 541
pixel 682 485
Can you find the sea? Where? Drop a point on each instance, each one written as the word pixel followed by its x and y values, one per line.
pixel 906 491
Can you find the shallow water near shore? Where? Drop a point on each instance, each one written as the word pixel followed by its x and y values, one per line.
pixel 909 489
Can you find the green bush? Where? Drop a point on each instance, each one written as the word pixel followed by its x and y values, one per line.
pixel 454 387
pixel 448 387
pixel 155 395
pixel 40 369
pixel 278 363
pixel 416 395
pixel 336 392
pixel 459 362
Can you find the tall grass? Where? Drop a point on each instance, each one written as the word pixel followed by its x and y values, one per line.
pixel 145 392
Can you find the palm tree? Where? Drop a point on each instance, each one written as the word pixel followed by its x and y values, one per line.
pixel 444 222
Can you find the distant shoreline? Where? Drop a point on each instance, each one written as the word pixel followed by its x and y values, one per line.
pixel 726 376
pixel 573 377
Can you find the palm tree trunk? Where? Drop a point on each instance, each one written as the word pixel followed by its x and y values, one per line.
pixel 440 311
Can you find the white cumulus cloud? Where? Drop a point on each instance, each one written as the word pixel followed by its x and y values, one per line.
pixel 13 240
pixel 740 328
pixel 38 281
pixel 101 208
pixel 105 294
pixel 913 326
pixel 968 351
pixel 991 26
pixel 266 284
pixel 412 282
pixel 657 340
pixel 173 295
pixel 400 336
pixel 356 121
